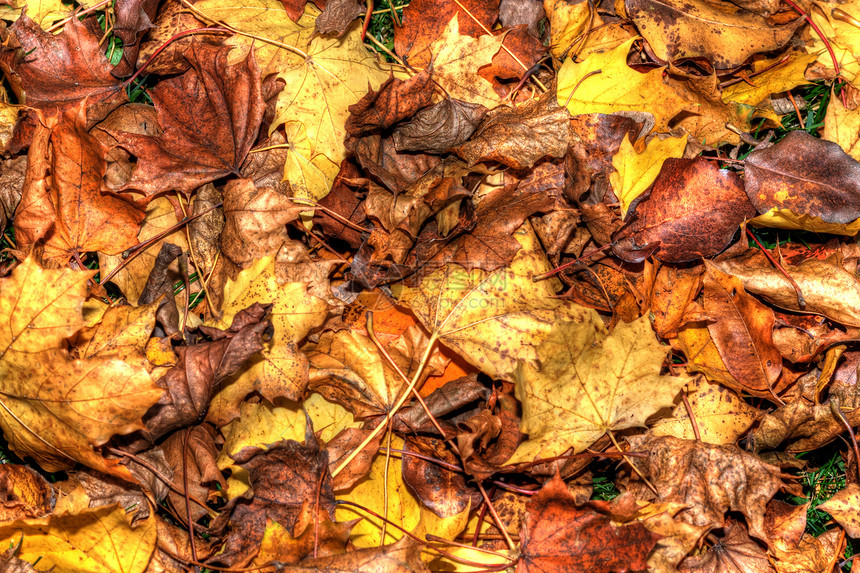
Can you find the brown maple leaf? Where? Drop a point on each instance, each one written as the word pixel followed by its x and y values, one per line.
pixel 210 115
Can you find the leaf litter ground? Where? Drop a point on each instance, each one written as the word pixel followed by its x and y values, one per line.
pixel 532 286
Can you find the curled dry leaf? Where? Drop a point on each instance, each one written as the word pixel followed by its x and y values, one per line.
pixel 743 332
pixel 440 127
pixel 394 101
pixel 828 289
pixel 710 480
pixel 693 211
pixel 519 138
pixel 734 551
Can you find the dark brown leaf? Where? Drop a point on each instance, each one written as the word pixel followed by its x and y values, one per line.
pixel 440 127
pixel 133 20
pixel 394 101
pixel 692 212
pixel 57 72
pixel 807 176
pixel 210 116
pixel 441 489
pixel 522 12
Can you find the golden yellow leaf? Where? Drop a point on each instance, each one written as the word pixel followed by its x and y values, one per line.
pixel 617 88
pixel 56 408
pixel 96 540
pixel 258 425
pixel 843 36
pixel 845 509
pixel 402 508
pixel 782 77
pixel 842 126
pixel 635 172
pixel 590 382
pixel 318 90
pixel 267 19
pixel 456 60
pixel 328 418
pixel 45 13
pixel 280 370
pixel 495 319
pixel 721 415
pixel 788 219
pixel 310 174
pixel 566 23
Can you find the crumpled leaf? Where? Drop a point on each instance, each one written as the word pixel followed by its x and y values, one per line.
pixel 781 78
pixel 337 16
pixel 494 319
pixel 394 101
pixel 710 480
pixel 440 127
pixel 519 138
pixel 133 20
pixel 210 116
pixel 590 382
pixel 724 35
pixel 733 552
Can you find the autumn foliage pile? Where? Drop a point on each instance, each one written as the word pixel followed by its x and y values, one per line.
pixel 308 306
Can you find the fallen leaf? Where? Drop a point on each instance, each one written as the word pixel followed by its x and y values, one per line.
pixel 440 127
pixel 93 540
pixel 337 16
pixel 843 507
pixel 822 196
pixel 207 135
pixel 720 415
pixel 828 289
pixel 494 319
pixel 842 126
pixel 770 80
pixel 733 552
pixel 559 536
pixel 519 138
pixel 572 399
pixel 25 493
pixel 710 480
pixel 634 172
pixel 679 220
pixel 57 72
pixel 426 20
pixel 725 36
pixel 743 334
pixel 456 56
pixel 47 420
pixel 617 88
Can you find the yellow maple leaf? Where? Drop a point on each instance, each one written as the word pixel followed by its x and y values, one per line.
pixel 54 407
pixel 589 383
pixel 617 87
pixel 494 319
pixel 843 36
pixel 281 369
pixel 456 60
pixel 635 172
pixel 91 541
